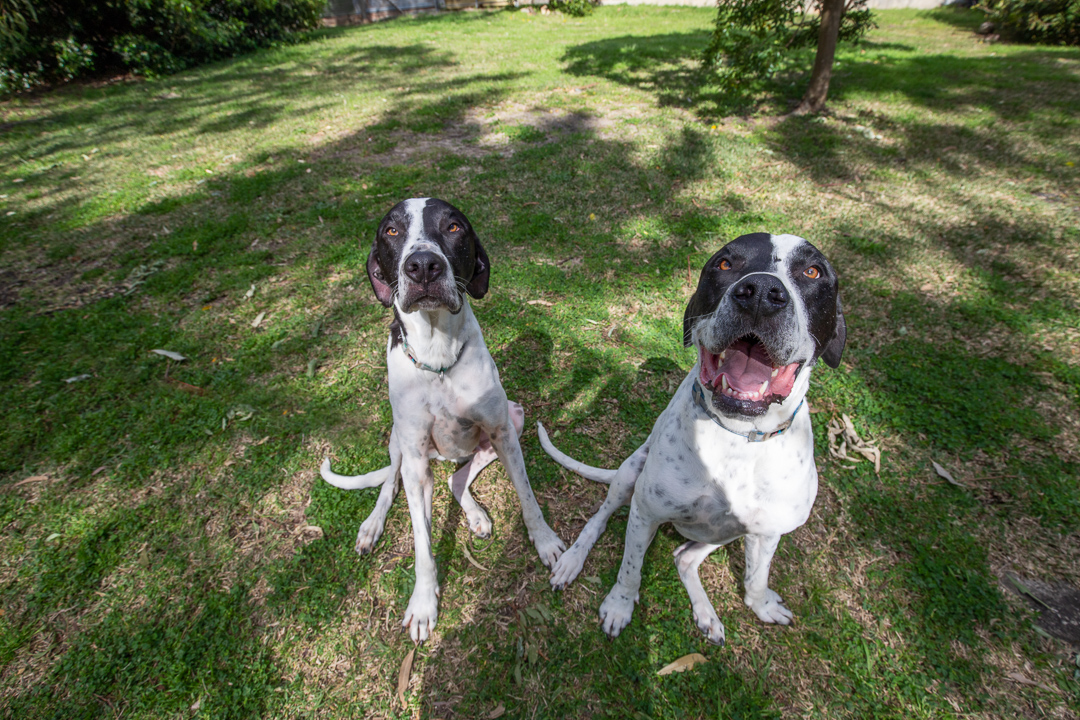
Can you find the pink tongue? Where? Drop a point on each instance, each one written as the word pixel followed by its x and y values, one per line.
pixel 746 366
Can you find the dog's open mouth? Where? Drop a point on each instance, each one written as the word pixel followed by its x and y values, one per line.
pixel 745 372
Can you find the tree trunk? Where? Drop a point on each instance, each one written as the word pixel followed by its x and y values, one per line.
pixel 814 100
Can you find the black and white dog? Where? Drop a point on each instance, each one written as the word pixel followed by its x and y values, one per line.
pixel 445 393
pixel 732 455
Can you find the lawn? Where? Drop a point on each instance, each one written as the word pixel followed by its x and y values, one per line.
pixel 168 550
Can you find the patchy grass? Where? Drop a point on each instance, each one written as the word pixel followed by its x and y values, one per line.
pixel 166 550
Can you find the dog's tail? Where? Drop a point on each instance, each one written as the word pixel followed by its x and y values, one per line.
pixel 586 471
pixel 354 482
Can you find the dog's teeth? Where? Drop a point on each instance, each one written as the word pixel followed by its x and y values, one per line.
pixel 723 354
pixel 775 372
pixel 764 387
pixel 723 382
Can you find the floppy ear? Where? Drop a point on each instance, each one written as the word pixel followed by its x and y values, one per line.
pixel 478 286
pixel 693 311
pixel 835 348
pixel 378 282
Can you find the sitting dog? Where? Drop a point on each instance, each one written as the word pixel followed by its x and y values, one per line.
pixel 445 393
pixel 732 455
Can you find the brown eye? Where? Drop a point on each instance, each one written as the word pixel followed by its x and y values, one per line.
pixel 454 227
pixel 391 231
pixel 724 265
pixel 812 272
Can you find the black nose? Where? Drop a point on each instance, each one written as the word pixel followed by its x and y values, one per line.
pixel 761 295
pixel 423 267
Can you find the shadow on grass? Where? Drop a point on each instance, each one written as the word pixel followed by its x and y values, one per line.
pixel 201 634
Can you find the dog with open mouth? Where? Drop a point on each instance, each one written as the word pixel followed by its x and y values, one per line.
pixel 732 455
pixel 445 393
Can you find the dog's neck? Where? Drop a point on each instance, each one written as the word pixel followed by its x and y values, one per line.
pixel 436 337
pixel 773 418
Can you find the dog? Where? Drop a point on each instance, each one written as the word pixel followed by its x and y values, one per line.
pixel 445 393
pixel 732 455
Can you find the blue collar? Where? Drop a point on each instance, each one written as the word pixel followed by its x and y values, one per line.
pixel 753 435
pixel 424 366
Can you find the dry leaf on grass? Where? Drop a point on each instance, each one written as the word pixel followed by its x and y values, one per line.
pixel 404 674
pixel 1024 680
pixel 682 664
pixel 170 354
pixel 471 559
pixel 945 474
pixel 545 303
pixel 843 438
pixel 31 479
pixel 186 387
pixel 498 712
pixel 258 320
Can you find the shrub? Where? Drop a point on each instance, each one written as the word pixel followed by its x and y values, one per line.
pixel 42 40
pixel 756 39
pixel 577 8
pixel 1048 22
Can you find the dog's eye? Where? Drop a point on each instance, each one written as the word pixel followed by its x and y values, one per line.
pixel 454 227
pixel 391 231
pixel 724 265
pixel 812 272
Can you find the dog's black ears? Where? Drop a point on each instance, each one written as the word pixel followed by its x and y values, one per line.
pixel 694 310
pixel 834 349
pixel 478 286
pixel 378 282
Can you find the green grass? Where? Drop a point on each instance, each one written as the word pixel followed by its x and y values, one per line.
pixel 180 556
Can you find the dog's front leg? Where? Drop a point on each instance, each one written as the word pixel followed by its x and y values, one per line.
pixel 423 609
pixel 688 557
pixel 765 603
pixel 618 606
pixel 619 494
pixel 548 544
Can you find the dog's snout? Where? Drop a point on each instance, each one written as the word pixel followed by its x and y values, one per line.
pixel 761 294
pixel 423 267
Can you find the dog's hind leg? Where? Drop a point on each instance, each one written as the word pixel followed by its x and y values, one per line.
pixel 372 528
pixel 462 480
pixel 622 489
pixel 688 557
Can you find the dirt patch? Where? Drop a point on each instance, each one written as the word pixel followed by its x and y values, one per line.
pixel 9 293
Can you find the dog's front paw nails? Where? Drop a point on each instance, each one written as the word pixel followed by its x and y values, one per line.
pixel 615 612
pixel 549 547
pixel 370 532
pixel 708 622
pixel 770 608
pixel 567 568
pixel 479 523
pixel 421 614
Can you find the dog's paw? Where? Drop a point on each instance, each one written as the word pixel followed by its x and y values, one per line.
pixel 770 608
pixel 708 622
pixel 568 567
pixel 421 614
pixel 548 545
pixel 479 522
pixel 370 532
pixel 615 612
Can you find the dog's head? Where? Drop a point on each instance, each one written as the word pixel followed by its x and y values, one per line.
pixel 765 309
pixel 425 256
